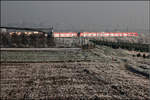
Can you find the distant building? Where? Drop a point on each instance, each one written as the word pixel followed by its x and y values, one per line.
pixel 3 30
pixel 26 32
pixel 36 32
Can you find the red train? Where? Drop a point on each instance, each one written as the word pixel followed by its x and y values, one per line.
pixel 94 34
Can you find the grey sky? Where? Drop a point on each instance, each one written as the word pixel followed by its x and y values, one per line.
pixel 76 15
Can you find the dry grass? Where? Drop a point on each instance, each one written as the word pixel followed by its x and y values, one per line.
pixel 102 74
pixel 51 80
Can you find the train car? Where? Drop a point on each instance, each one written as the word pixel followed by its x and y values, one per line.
pixel 88 34
pixel 64 34
pixel 107 34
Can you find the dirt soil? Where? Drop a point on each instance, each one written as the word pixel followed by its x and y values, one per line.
pixel 72 81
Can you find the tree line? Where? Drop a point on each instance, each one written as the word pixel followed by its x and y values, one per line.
pixel 123 45
pixel 25 41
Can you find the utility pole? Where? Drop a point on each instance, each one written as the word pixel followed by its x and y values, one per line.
pixel 149 70
pixel 127 28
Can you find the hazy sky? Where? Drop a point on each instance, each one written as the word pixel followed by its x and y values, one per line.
pixel 76 15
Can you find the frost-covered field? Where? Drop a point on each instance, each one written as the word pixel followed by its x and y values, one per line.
pixel 101 73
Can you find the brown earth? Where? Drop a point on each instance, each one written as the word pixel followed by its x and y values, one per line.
pixel 72 81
